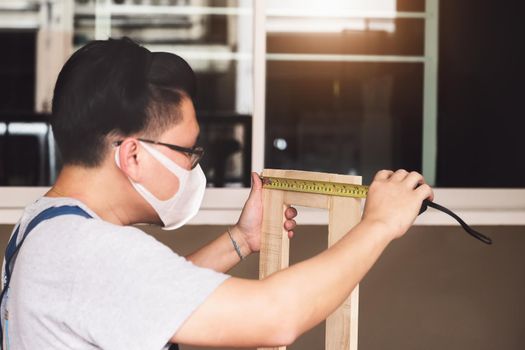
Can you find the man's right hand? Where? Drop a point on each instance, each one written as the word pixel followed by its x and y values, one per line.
pixel 394 200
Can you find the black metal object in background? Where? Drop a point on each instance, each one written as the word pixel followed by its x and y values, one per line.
pixel 29 159
pixel 219 139
pixel 25 159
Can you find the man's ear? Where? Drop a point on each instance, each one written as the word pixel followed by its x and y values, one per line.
pixel 129 157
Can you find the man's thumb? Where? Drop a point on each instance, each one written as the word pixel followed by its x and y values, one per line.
pixel 256 183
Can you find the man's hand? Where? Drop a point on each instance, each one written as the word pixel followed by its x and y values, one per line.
pixel 395 198
pixel 250 221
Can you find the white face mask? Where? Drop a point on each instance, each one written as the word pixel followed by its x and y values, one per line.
pixel 183 205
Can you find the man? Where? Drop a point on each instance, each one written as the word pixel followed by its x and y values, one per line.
pixel 125 124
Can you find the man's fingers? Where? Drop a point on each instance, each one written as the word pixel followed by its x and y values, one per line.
pixel 256 181
pixel 414 179
pixel 290 213
pixel 426 192
pixel 383 175
pixel 399 175
pixel 289 225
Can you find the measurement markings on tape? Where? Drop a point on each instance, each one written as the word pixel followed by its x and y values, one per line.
pixel 314 186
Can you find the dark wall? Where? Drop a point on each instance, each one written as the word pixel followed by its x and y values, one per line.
pixel 481 114
pixel 434 289
pixel 17 71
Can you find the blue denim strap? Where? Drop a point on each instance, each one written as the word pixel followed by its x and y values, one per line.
pixel 13 248
pixel 49 213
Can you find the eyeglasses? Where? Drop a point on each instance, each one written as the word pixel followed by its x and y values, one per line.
pixel 195 153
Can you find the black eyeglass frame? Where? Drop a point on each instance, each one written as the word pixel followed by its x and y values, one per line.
pixel 195 152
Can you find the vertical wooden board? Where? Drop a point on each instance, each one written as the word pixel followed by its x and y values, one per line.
pixel 341 326
pixel 275 245
pixel 354 318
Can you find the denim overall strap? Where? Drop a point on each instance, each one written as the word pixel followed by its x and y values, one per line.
pixel 13 248
pixel 49 213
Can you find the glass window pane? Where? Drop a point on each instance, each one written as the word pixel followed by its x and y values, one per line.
pixel 344 117
pixel 350 115
pixel 343 27
pixel 411 5
pixel 347 5
pixel 402 36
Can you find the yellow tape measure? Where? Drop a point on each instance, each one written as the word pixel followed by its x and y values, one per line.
pixel 314 186
pixel 354 191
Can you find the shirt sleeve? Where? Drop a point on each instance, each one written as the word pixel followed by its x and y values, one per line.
pixel 133 292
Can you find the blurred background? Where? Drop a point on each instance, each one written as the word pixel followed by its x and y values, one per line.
pixel 343 86
pixel 350 86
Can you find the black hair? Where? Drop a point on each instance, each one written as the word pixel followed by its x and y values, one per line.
pixel 116 87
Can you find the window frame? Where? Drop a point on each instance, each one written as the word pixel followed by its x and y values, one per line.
pixel 483 206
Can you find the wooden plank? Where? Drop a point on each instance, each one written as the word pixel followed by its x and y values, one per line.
pixel 344 213
pixel 341 326
pixel 275 244
pixel 311 200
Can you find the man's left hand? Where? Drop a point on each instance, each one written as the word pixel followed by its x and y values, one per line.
pixel 250 221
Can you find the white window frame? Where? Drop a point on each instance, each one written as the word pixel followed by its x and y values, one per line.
pixel 476 206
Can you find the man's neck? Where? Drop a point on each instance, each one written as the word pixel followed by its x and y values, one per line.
pixel 105 192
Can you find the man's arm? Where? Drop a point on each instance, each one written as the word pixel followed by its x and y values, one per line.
pixel 219 254
pixel 276 310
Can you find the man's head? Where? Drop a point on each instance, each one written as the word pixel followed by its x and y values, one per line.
pixel 125 124
pixel 115 89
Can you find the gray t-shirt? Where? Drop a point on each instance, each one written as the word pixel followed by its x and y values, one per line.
pixel 88 284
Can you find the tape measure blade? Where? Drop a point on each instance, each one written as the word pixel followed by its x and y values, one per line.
pixel 315 186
